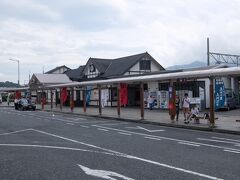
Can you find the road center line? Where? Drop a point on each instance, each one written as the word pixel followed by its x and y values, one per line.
pixel 146 137
pixel 237 152
pixel 131 157
pixel 189 144
pixel 14 132
pixel 214 140
pixel 234 140
pixel 127 134
pixel 100 129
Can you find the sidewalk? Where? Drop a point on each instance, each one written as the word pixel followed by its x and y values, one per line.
pixel 226 122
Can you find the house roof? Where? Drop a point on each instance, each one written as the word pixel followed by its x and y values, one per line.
pixel 120 66
pixel 75 74
pixel 56 68
pixel 50 79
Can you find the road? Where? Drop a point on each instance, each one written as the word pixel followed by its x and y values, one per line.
pixel 42 145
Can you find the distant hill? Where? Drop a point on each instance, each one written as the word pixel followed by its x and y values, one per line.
pixel 8 84
pixel 194 64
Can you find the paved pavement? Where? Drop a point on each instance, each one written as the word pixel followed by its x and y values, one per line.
pixel 42 145
pixel 226 121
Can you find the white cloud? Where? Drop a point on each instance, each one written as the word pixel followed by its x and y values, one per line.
pixel 174 32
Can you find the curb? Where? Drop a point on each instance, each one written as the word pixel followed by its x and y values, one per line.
pixel 156 123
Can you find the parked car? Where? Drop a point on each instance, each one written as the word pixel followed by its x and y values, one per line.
pixel 25 104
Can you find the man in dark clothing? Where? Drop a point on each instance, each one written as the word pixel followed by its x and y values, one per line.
pixel 177 103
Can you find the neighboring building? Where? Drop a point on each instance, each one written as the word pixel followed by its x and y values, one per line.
pixel 58 70
pixel 39 81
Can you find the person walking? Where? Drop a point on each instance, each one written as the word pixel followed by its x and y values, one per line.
pixel 177 103
pixel 186 106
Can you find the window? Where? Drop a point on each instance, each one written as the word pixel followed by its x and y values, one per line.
pixel 145 64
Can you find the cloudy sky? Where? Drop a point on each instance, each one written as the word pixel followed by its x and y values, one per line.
pixel 51 33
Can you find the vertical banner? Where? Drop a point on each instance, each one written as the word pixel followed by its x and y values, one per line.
pixel 88 94
pixel 124 94
pixel 64 94
pixel 18 95
pixel 219 94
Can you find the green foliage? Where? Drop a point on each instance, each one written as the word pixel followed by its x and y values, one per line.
pixel 8 84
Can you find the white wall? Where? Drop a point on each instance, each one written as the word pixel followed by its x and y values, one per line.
pixel 136 67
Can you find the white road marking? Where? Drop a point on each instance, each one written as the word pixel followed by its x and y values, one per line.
pixel 237 152
pixel 213 140
pixel 103 174
pixel 131 157
pixel 234 140
pixel 152 138
pixel 127 134
pixel 189 144
pixel 102 129
pixel 166 138
pixel 148 130
pixel 14 132
pixel 84 126
pixel 55 147
pixel 112 124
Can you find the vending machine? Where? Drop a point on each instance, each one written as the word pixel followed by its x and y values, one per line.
pixel 163 99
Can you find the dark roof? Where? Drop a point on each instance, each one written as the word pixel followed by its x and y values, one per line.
pixel 110 68
pixel 75 74
pixel 100 64
pixel 120 65
pixel 56 68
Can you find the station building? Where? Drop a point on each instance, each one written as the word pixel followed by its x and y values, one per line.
pixel 134 65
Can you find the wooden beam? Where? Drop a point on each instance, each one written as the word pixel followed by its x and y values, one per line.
pixel 99 100
pixel 51 96
pixel 142 101
pixel 212 113
pixel 84 100
pixel 61 103
pixel 119 99
pixel 72 99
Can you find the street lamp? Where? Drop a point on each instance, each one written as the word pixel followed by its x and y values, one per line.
pixel 18 61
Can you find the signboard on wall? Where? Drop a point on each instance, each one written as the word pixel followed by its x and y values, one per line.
pixel 219 94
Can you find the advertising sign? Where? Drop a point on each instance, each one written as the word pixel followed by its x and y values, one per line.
pixel 219 94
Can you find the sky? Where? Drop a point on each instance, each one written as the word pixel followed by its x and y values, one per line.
pixel 44 34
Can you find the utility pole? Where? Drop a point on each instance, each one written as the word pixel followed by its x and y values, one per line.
pixel 18 61
pixel 208 59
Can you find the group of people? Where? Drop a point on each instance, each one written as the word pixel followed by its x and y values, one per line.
pixel 188 114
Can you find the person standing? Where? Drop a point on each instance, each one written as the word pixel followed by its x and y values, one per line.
pixel 186 106
pixel 150 102
pixel 177 103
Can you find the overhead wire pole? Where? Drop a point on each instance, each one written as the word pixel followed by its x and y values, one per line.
pixel 18 61
pixel 208 58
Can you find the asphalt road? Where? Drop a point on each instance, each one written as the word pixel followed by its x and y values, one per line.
pixel 40 145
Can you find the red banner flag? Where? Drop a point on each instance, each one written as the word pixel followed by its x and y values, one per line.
pixel 64 94
pixel 124 94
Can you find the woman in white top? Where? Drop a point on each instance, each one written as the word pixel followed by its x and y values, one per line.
pixel 186 106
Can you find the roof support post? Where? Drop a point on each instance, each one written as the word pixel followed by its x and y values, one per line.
pixel 142 100
pixel 56 97
pixel 72 99
pixel 51 96
pixel 212 113
pixel 61 99
pixel 99 100
pixel 119 99
pixel 172 97
pixel 84 100
pixel 42 100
